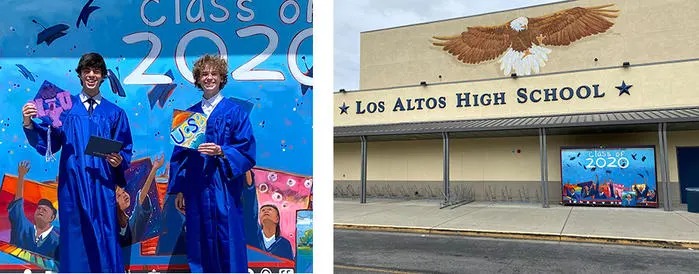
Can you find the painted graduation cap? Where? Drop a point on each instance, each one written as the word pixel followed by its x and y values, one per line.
pixel 26 73
pixel 115 83
pixel 161 92
pixel 85 13
pixel 246 104
pixel 48 35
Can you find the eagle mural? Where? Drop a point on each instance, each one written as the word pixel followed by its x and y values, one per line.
pixel 521 41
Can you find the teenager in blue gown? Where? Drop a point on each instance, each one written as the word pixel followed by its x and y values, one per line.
pixel 86 184
pixel 208 181
pixel 265 234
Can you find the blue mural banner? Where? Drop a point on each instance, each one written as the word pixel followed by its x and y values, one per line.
pixel 609 176
pixel 149 47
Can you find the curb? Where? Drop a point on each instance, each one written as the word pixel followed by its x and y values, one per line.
pixel 524 236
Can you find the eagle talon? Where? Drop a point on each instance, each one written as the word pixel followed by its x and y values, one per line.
pixel 540 38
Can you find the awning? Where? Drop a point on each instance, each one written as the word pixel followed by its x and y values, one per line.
pixel 677 115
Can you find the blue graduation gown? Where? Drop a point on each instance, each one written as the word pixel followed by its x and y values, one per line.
pixel 281 247
pixel 172 234
pixel 23 232
pixel 87 205
pixel 212 190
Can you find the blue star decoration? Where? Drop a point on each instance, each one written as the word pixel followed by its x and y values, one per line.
pixel 343 108
pixel 624 88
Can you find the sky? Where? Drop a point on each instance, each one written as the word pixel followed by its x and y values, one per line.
pixel 353 17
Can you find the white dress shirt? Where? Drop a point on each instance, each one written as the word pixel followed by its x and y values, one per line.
pixel 269 241
pixel 83 98
pixel 42 236
pixel 208 105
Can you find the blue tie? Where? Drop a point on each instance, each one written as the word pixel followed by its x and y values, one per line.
pixel 92 103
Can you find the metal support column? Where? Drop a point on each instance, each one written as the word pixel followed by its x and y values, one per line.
pixel 664 169
pixel 445 167
pixel 544 167
pixel 362 195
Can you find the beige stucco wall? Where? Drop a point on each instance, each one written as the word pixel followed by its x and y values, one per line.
pixel 645 31
pixel 347 161
pixel 404 160
pixel 494 159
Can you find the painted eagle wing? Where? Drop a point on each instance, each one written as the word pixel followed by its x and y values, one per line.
pixel 477 44
pixel 567 26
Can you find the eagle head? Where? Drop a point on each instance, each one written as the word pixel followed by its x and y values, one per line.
pixel 519 24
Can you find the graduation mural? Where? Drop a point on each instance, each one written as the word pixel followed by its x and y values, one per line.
pixel 609 176
pixel 149 49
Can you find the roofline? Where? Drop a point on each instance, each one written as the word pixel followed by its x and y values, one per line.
pixel 437 129
pixel 463 17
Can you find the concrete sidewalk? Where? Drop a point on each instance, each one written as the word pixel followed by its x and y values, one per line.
pixel 632 226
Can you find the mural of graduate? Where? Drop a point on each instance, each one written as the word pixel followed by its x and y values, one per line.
pixel 38 235
pixel 149 49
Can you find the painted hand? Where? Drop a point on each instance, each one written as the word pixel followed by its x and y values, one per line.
pixel 23 168
pixel 158 161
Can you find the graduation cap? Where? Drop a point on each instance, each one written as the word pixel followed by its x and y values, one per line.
pixel 48 203
pixel 85 13
pixel 245 104
pixel 115 84
pixel 161 92
pixel 48 35
pixel 187 129
pixel 309 73
pixel 50 102
pixel 26 73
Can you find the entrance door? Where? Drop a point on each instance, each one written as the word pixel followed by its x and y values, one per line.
pixel 688 169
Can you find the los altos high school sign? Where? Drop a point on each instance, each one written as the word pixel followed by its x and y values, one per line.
pixel 470 99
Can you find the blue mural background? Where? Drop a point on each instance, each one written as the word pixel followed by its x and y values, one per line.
pixel 268 45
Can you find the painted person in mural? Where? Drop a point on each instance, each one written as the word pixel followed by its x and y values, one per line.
pixel 265 234
pixel 628 199
pixel 86 184
pixel 644 193
pixel 133 226
pixel 209 181
pixel 39 237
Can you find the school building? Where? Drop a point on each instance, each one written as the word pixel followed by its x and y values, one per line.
pixel 580 102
